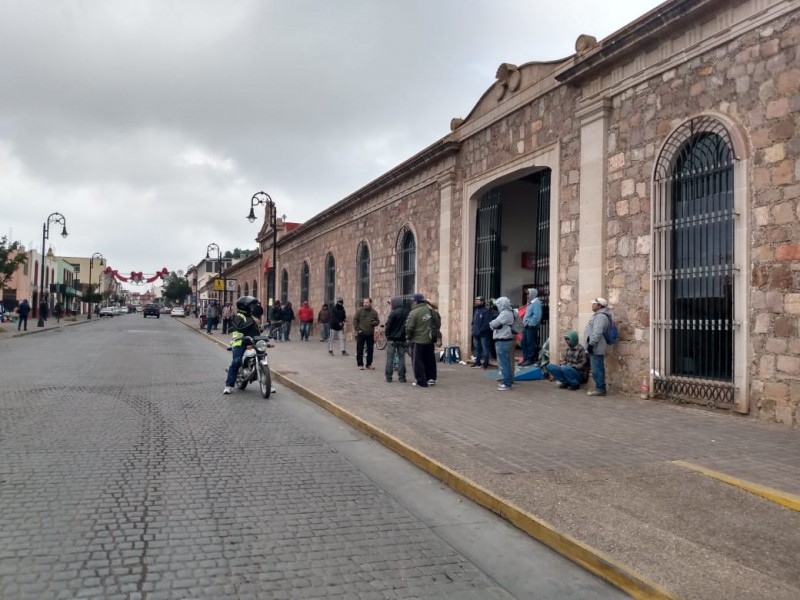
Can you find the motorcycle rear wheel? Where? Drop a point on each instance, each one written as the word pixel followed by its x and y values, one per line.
pixel 264 380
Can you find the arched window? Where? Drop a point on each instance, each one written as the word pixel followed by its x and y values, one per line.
pixel 694 265
pixel 406 250
pixel 284 286
pixel 304 282
pixel 330 279
pixel 362 273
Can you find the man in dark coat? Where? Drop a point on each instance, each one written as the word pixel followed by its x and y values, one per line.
pixel 338 320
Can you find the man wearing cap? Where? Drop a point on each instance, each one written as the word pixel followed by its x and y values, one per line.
pixel 418 332
pixel 338 319
pixel 481 334
pixel 596 344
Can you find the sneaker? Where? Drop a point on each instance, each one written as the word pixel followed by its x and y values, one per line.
pixel 228 389
pixel 418 385
pixel 330 352
pixel 388 381
pixel 596 393
pixel 401 381
pixel 563 386
pixel 361 367
pixel 431 382
pixel 343 353
pixel 484 367
pixel 370 367
pixel 503 387
pixel 475 366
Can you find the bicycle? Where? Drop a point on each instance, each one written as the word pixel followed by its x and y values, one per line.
pixel 380 337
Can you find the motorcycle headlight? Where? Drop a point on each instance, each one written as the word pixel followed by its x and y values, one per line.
pixel 261 345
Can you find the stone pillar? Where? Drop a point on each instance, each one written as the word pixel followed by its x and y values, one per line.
pixel 446 185
pixel 593 186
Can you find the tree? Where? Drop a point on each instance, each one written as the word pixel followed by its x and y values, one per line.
pixel 238 253
pixel 8 263
pixel 176 288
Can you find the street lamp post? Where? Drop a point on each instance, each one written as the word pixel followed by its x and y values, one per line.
pixel 101 258
pixel 258 199
pixel 51 218
pixel 213 246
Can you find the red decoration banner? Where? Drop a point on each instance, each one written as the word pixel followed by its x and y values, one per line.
pixel 136 277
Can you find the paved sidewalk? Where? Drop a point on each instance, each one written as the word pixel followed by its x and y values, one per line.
pixel 598 469
pixel 9 330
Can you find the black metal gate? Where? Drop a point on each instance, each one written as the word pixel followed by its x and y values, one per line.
pixel 694 268
pixel 541 274
pixel 487 246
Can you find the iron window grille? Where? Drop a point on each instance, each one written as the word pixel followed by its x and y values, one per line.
pixel 406 264
pixel 362 278
pixel 330 280
pixel 304 282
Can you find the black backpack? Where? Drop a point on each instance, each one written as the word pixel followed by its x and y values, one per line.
pixel 436 326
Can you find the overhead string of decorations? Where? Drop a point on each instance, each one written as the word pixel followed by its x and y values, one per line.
pixel 136 277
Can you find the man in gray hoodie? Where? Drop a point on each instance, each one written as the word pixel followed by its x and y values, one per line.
pixel 596 344
pixel 504 341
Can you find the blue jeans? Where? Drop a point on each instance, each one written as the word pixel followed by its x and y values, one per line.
pixel 482 345
pixel 324 332
pixel 287 329
pixel 210 323
pixel 530 339
pixel 305 329
pixel 503 348
pixel 236 362
pixel 565 374
pixel 395 351
pixel 598 363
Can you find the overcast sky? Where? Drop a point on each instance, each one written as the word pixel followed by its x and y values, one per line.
pixel 149 124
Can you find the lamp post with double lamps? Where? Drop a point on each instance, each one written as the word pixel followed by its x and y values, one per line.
pixel 51 218
pixel 101 258
pixel 258 199
pixel 213 246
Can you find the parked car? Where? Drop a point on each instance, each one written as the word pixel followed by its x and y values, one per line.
pixel 166 310
pixel 152 310
pixel 106 311
pixel 178 312
pixel 120 310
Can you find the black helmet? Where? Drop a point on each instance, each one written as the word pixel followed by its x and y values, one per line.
pixel 245 304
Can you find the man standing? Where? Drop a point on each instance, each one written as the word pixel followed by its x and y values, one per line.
pixel 396 340
pixel 574 367
pixel 227 315
pixel 338 319
pixel 212 314
pixel 504 341
pixel 364 323
pixel 596 344
pixel 306 316
pixel 276 321
pixel 530 333
pixel 24 309
pixel 481 334
pixel 418 332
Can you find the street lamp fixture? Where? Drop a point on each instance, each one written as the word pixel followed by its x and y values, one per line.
pixel 101 258
pixel 258 199
pixel 51 218
pixel 213 246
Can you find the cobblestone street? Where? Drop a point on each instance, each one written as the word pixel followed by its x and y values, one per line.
pixel 124 473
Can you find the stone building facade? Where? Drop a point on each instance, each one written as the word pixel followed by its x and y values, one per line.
pixel 659 168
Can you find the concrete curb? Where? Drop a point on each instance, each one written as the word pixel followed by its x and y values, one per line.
pixel 594 561
pixel 35 330
pixel 785 499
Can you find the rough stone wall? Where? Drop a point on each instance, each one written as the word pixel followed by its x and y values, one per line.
pixel 755 80
pixel 547 120
pixel 246 271
pixel 378 221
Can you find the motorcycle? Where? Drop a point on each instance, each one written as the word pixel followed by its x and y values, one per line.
pixel 255 365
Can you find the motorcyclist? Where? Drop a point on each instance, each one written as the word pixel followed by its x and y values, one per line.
pixel 245 323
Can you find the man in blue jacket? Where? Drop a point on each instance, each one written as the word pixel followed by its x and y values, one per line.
pixel 481 334
pixel 530 332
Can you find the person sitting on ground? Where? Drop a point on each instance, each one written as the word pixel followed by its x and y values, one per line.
pixel 574 367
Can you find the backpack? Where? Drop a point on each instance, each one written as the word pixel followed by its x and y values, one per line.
pixel 516 326
pixel 611 333
pixel 436 326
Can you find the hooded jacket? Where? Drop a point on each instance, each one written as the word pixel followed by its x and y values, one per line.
pixel 338 317
pixel 533 313
pixel 505 318
pixel 324 315
pixel 396 322
pixel 593 334
pixel 305 314
pixel 575 355
pixel 418 326
pixel 480 321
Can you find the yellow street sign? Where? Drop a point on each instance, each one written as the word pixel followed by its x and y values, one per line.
pixel 219 285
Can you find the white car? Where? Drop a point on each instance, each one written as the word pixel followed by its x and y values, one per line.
pixel 107 311
pixel 120 310
pixel 178 312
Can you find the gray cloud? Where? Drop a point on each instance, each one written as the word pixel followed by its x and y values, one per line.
pixel 150 124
